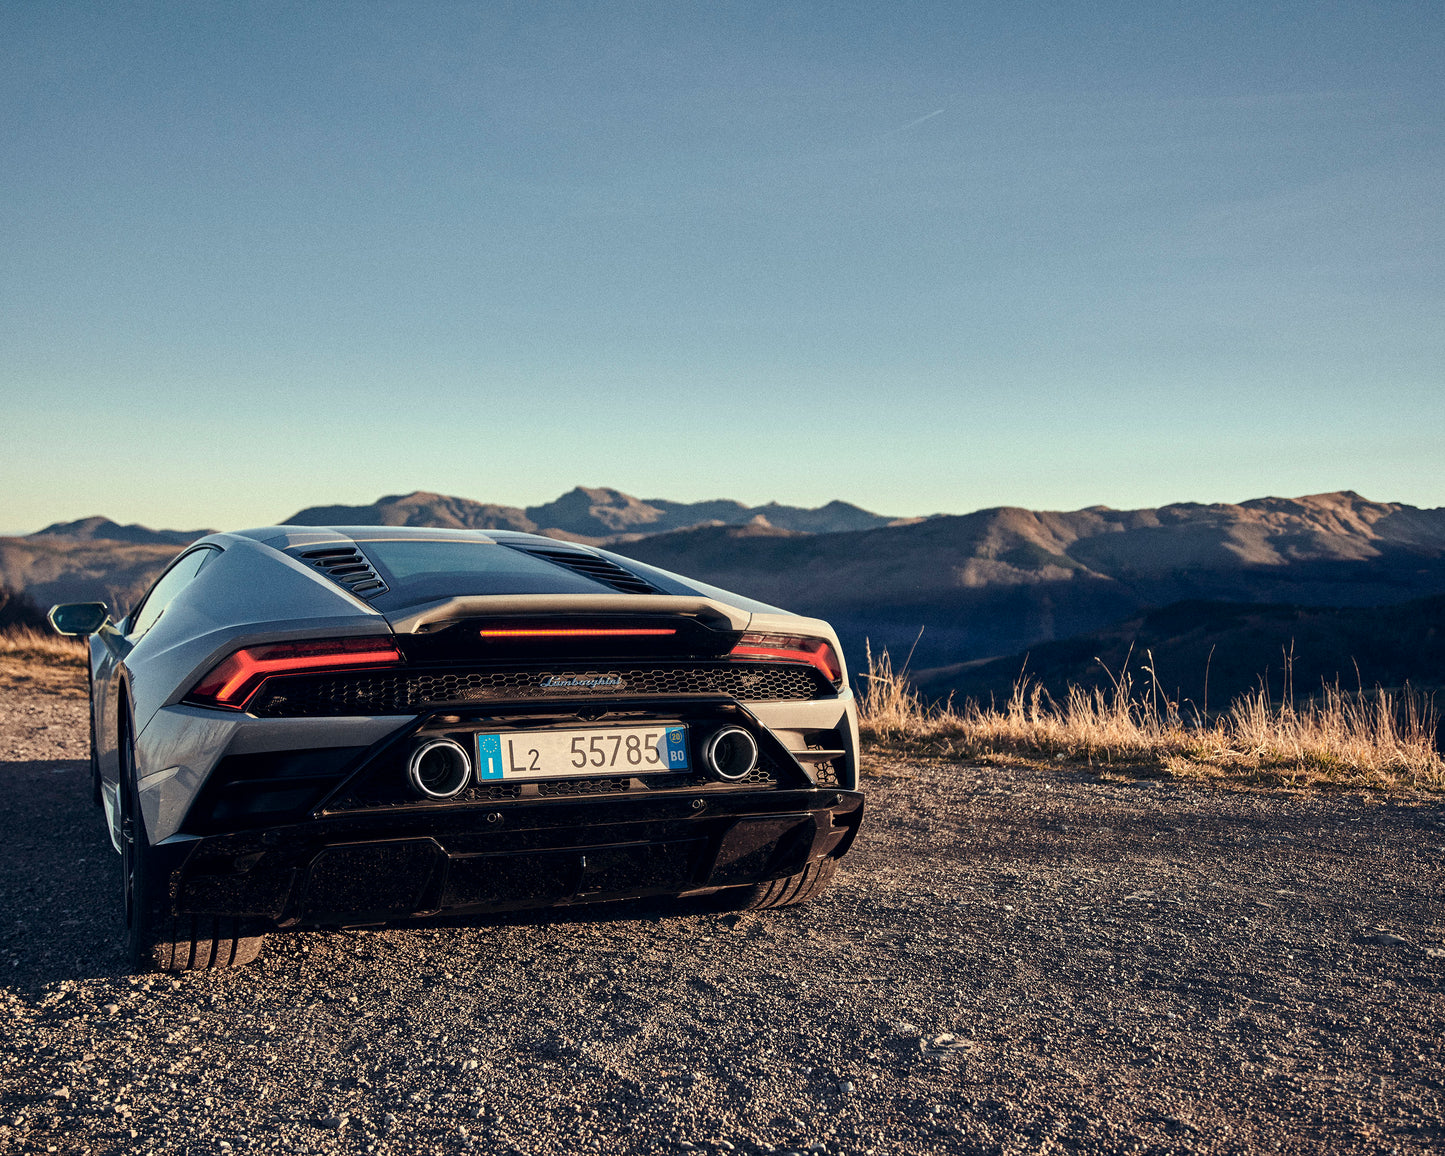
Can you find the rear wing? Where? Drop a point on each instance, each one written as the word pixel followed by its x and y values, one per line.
pixel 710 612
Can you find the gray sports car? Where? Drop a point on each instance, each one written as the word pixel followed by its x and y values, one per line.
pixel 301 726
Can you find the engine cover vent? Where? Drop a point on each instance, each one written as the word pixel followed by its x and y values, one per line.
pixel 594 567
pixel 347 566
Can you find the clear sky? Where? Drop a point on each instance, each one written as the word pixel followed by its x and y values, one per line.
pixel 921 257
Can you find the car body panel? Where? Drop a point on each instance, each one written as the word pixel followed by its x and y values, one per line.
pixel 183 744
pixel 225 607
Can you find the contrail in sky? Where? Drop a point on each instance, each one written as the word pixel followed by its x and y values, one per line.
pixel 916 123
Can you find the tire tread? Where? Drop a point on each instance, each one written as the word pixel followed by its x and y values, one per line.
pixel 807 884
pixel 205 943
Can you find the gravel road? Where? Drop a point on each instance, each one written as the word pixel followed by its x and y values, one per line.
pixel 1011 960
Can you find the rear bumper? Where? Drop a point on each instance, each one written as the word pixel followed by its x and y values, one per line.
pixel 506 856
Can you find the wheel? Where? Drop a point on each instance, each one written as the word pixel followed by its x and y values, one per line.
pixel 155 937
pixel 807 884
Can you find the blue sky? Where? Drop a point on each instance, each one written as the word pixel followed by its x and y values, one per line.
pixel 919 257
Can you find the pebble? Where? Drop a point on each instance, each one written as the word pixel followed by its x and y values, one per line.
pixel 1384 937
pixel 334 1122
pixel 847 1087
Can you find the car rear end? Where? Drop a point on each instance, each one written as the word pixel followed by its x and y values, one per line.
pixel 489 752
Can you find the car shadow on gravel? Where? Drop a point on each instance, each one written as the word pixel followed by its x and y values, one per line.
pixel 652 909
pixel 60 885
pixel 59 877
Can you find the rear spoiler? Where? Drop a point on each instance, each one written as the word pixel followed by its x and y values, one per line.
pixel 711 613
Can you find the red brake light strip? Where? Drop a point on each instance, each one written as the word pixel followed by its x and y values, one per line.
pixel 579 632
pixel 233 680
pixel 248 667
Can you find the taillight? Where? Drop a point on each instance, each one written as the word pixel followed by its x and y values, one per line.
pixel 792 648
pixel 237 677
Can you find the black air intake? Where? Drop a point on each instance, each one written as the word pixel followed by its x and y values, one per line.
pixel 348 567
pixel 416 690
pixel 594 567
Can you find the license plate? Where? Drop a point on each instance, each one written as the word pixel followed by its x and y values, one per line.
pixel 569 753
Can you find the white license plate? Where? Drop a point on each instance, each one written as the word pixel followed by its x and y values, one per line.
pixel 569 753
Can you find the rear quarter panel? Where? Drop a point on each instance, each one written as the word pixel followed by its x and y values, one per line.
pixel 248 594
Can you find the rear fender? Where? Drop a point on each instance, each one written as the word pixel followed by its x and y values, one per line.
pixel 120 731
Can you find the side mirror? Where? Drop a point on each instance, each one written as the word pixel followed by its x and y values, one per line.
pixel 79 617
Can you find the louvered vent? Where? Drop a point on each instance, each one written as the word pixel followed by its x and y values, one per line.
pixel 348 567
pixel 594 567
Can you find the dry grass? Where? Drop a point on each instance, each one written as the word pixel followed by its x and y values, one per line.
pixel 40 660
pixel 42 646
pixel 1373 740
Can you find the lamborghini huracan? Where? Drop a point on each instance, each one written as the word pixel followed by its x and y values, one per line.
pixel 302 727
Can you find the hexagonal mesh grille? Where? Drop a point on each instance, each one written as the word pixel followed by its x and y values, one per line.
pixel 413 691
pixel 557 788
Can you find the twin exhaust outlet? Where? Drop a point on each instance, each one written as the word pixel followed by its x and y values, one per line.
pixel 442 769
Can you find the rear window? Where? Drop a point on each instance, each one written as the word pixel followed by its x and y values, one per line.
pixel 421 571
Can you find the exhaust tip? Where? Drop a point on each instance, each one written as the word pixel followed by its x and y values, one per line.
pixel 731 753
pixel 439 769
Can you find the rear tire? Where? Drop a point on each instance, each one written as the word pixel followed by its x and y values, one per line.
pixel 807 884
pixel 155 937
pixel 203 943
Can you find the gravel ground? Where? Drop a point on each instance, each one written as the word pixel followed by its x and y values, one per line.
pixel 1011 960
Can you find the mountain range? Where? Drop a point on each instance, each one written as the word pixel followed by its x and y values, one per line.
pixel 596 515
pixel 992 583
pixel 97 558
pixel 998 581
pixel 104 530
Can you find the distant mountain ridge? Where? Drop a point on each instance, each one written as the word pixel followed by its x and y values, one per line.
pixel 596 514
pixel 994 582
pixel 98 558
pixel 98 528
pixel 997 581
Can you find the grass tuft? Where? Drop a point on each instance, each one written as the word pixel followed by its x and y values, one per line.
pixel 40 660
pixel 1377 740
pixel 42 646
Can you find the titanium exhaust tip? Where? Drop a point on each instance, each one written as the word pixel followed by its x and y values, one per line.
pixel 439 769
pixel 730 753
